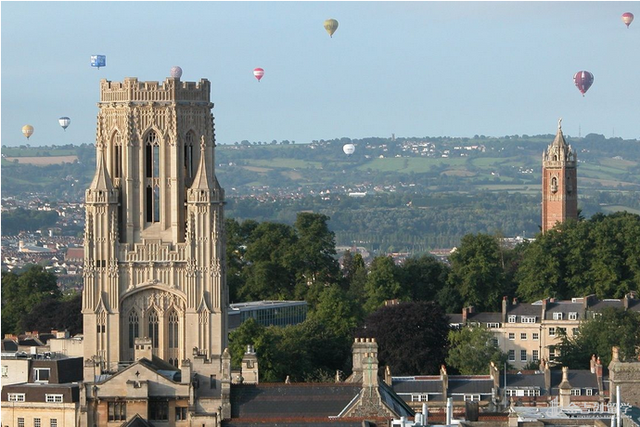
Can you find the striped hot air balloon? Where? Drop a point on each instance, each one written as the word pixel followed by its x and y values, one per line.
pixel 258 73
pixel 627 18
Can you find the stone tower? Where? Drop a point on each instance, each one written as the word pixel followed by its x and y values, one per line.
pixel 559 182
pixel 154 246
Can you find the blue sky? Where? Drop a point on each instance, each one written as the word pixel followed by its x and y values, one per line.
pixel 403 68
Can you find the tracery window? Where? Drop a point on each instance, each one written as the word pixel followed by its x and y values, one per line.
pixel 173 330
pixel 153 328
pixel 134 331
pixel 188 155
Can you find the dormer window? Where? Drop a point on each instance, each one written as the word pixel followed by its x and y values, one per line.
pixel 557 316
pixel 512 319
pixel 528 319
pixel 573 316
pixel 41 375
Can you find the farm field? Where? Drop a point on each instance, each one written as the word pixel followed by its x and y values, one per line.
pixel 43 160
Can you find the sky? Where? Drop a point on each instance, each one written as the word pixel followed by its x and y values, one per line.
pixel 409 69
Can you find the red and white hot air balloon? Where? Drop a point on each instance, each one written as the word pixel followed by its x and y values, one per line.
pixel 627 18
pixel 258 73
pixel 583 81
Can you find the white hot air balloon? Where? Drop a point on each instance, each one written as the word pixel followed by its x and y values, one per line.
pixel 64 122
pixel 349 149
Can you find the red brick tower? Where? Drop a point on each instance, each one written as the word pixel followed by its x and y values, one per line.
pixel 559 182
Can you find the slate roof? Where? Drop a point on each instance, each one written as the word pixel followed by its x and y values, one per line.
pixel 303 400
pixel 485 317
pixel 470 385
pixel 9 345
pixel 564 307
pixel 524 380
pixel 420 384
pixel 525 309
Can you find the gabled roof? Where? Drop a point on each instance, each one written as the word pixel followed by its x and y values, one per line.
pixel 136 421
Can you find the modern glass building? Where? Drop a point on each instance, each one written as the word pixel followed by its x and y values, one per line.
pixel 268 313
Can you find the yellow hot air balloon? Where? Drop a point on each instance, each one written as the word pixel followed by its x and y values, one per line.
pixel 331 25
pixel 27 130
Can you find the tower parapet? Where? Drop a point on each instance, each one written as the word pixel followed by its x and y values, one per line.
pixel 171 90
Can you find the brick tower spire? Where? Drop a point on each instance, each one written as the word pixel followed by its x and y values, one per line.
pixel 559 182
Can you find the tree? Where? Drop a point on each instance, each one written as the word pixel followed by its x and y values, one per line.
pixel 423 277
pixel 337 311
pixel 59 314
pixel 316 249
pixel 411 336
pixel 477 271
pixel 383 283
pixel 471 349
pixel 614 327
pixel 21 292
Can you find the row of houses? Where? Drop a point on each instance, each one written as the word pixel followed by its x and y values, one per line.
pixel 529 332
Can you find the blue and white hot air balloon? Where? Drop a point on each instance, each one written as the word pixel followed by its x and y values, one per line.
pixel 98 61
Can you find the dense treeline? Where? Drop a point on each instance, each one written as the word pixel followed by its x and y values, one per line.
pixel 17 220
pixel 577 258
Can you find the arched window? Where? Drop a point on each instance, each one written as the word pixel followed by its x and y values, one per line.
pixel 116 161
pixel 152 155
pixel 134 328
pixel 188 154
pixel 173 330
pixel 554 184
pixel 153 328
pixel 152 172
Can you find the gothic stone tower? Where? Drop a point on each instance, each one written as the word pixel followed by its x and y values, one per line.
pixel 154 247
pixel 559 182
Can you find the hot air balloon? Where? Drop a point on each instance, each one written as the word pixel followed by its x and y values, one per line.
pixel 627 18
pixel 258 73
pixel 348 149
pixel 98 61
pixel 583 81
pixel 331 25
pixel 64 122
pixel 27 130
pixel 176 72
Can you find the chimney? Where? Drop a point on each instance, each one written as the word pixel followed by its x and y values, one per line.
pixel 565 388
pixel 388 379
pixel 185 371
pixel 142 349
pixel 592 364
pixel 360 347
pixel 250 366
pixel 515 301
pixel 494 372
pixel 465 314
pixel 370 370
pixel 547 378
pixel 445 381
pixel 598 369
pixel 505 304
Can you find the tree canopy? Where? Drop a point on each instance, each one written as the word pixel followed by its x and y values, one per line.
pixel 411 336
pixel 472 349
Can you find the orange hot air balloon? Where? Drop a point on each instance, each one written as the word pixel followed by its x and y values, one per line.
pixel 27 130
pixel 627 18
